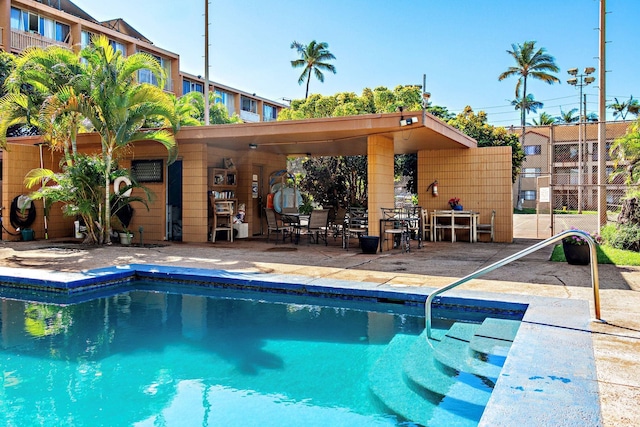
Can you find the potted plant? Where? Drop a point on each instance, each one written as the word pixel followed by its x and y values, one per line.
pixel 125 237
pixel 454 202
pixel 576 248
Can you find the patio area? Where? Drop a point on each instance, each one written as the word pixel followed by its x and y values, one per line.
pixel 616 342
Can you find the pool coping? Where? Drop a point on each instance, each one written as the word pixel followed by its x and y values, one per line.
pixel 550 373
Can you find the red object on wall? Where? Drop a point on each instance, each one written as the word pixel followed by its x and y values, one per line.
pixel 270 201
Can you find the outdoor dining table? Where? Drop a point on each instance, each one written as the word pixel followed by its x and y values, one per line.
pixel 456 217
pixel 295 220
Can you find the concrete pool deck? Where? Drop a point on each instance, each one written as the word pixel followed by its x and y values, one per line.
pixel 616 342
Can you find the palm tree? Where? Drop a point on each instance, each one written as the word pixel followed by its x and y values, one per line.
pixel 313 57
pixel 530 62
pixel 634 107
pixel 37 74
pixel 190 110
pixel 544 119
pixel 568 116
pixel 591 117
pixel 529 103
pixel 118 108
pixel 620 109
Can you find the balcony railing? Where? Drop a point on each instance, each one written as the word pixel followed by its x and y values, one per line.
pixel 249 116
pixel 20 40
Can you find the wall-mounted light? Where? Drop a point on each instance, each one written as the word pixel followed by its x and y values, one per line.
pixel 253 146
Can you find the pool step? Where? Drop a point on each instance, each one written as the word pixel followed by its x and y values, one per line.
pixel 386 382
pixel 454 352
pixel 494 337
pixel 449 384
pixel 424 374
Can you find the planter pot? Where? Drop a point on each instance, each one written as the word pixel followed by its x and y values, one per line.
pixel 27 234
pixel 457 208
pixel 125 238
pixel 369 244
pixel 576 254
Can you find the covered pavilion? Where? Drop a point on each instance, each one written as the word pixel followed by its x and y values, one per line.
pixel 480 177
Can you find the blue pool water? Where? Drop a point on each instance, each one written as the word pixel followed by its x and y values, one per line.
pixel 148 358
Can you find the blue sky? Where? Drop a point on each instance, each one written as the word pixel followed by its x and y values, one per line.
pixel 459 44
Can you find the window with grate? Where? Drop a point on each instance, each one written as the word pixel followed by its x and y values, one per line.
pixel 146 170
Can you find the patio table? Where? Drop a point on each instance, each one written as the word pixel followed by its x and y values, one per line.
pixel 458 221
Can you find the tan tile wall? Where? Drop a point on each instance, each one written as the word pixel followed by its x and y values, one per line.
pixel 380 175
pixel 153 220
pixel 22 159
pixel 194 197
pixel 480 177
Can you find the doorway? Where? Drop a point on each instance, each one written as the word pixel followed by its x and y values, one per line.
pixel 257 198
pixel 174 201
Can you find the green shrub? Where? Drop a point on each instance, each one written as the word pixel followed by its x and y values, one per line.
pixel 622 236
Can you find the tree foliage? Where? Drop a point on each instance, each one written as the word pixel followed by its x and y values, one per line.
pixel 336 181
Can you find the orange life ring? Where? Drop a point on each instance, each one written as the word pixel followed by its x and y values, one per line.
pixel 270 201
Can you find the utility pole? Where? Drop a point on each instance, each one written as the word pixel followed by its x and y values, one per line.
pixel 602 123
pixel 581 80
pixel 206 62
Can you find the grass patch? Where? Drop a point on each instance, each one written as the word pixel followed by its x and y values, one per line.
pixel 525 211
pixel 606 255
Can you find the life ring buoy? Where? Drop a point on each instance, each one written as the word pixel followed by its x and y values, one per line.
pixel 122 180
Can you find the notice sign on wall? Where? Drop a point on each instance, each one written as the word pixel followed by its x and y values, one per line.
pixel 254 189
pixel 544 195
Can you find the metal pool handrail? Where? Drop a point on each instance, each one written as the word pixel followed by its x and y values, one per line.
pixel 593 254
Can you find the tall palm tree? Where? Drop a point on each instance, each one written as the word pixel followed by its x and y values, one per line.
pixel 118 108
pixel 568 116
pixel 530 63
pixel 313 57
pixel 544 119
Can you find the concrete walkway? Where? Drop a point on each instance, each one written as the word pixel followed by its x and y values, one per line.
pixel 616 341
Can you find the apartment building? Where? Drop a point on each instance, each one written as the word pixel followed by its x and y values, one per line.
pixel 567 154
pixel 26 23
pixel 249 107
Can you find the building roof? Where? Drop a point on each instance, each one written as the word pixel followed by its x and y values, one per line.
pixel 335 136
pixel 121 26
pixel 68 7
pixel 569 132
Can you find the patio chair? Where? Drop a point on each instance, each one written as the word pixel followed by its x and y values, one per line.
pixel 426 224
pixel 318 226
pixel 415 223
pixel 276 226
pixel 356 224
pixel 487 228
pixel 396 226
pixel 336 221
pixel 222 219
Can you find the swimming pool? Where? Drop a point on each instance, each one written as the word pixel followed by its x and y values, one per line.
pixel 213 358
